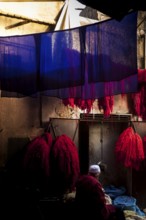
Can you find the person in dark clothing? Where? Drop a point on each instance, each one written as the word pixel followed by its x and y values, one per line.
pixel 95 171
pixel 91 201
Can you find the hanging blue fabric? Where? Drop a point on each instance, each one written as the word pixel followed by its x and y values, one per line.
pixel 61 60
pixel 86 62
pixel 111 49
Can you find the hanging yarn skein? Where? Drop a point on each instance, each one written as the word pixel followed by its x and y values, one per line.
pixel 65 164
pixel 129 149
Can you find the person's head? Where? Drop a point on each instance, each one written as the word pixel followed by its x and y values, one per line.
pixel 94 170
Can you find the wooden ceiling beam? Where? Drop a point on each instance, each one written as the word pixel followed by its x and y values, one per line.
pixel 25 18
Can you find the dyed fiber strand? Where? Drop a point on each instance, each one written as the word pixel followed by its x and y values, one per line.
pixel 129 149
pixel 65 162
pixel 36 157
pixel 83 104
pixel 106 104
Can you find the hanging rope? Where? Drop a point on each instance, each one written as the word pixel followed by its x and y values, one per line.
pixel 101 140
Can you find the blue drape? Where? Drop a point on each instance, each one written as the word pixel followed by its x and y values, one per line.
pixel 85 62
pixel 18 64
pixel 61 60
pixel 112 47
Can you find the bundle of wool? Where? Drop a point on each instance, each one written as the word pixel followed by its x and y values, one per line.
pixel 136 109
pixel 143 166
pixel 36 157
pixel 141 75
pixel 86 104
pixel 106 104
pixel 144 144
pixel 129 149
pixel 138 99
pixel 65 167
pixel 143 102
pixel 69 101
pixel 83 104
pixel 137 103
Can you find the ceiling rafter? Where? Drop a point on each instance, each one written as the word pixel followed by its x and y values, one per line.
pixel 25 19
pixel 17 24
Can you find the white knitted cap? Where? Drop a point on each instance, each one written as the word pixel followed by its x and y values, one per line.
pixel 95 169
